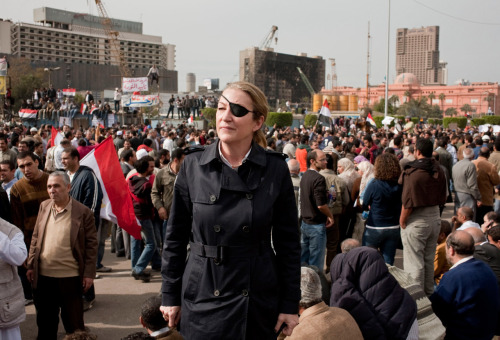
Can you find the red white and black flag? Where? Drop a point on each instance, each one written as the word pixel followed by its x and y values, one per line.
pixel 325 116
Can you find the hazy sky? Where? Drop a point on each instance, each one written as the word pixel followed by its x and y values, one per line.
pixel 209 34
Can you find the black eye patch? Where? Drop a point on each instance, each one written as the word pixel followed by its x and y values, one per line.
pixel 236 109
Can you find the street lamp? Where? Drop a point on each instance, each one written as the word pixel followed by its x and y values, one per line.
pixel 50 69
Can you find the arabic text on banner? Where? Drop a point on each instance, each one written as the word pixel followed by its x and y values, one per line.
pixel 135 84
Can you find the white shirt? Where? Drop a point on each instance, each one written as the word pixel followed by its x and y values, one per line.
pixel 469 224
pixel 465 259
pixel 168 144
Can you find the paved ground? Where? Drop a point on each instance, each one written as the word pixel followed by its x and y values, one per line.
pixel 119 298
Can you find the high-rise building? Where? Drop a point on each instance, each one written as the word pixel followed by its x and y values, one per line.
pixel 61 37
pixel 417 52
pixel 190 82
pixel 277 76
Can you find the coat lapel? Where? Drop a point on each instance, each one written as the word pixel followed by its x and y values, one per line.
pixel 75 223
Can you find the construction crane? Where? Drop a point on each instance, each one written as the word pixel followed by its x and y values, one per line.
pixel 113 40
pixel 269 38
pixel 306 81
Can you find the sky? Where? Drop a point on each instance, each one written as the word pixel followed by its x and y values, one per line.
pixel 210 34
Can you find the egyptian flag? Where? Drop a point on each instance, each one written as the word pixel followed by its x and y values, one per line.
pixel 116 202
pixel 55 137
pixel 190 120
pixel 94 108
pixel 325 116
pixel 83 108
pixel 370 120
pixel 27 114
pixel 69 92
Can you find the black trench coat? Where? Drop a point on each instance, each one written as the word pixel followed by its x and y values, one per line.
pixel 234 284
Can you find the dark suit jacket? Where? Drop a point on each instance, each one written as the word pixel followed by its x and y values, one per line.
pixel 489 254
pixel 83 238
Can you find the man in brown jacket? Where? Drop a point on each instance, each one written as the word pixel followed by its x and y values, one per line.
pixel 62 257
pixel 487 179
pixel 317 320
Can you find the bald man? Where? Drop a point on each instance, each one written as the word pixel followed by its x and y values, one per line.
pixel 467 299
pixel 463 219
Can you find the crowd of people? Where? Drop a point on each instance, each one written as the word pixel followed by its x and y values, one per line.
pixel 338 199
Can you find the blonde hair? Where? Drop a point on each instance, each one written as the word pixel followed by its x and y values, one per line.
pixel 260 107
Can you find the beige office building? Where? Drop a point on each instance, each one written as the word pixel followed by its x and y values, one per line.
pixel 417 52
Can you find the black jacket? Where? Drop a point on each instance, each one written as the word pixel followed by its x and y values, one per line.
pixel 362 285
pixel 86 189
pixel 236 290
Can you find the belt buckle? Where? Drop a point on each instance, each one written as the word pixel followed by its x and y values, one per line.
pixel 220 255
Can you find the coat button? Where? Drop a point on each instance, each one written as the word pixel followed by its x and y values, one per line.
pixel 216 293
pixel 244 292
pixel 217 228
pixel 249 196
pixel 246 229
pixel 213 198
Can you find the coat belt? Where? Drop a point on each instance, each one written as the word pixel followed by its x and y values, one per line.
pixel 220 253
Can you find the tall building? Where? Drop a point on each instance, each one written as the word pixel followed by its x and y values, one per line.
pixel 190 82
pixel 417 52
pixel 277 76
pixel 59 38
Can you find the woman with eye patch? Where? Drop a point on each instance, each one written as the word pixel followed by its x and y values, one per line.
pixel 234 205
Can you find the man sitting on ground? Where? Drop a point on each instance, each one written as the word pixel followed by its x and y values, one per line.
pixel 463 219
pixel 317 320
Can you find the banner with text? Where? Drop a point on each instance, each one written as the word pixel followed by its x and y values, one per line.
pixel 135 84
pixel 140 100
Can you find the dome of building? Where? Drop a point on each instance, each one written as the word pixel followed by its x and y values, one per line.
pixel 407 79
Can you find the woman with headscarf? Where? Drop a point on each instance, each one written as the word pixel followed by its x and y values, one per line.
pixel 365 169
pixel 348 173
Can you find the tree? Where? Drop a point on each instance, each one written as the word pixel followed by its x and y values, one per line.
pixel 431 97
pixel 418 108
pixel 380 106
pixel 24 80
pixel 466 108
pixel 451 111
pixel 441 97
pixel 407 95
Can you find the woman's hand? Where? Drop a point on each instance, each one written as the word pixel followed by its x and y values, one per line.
pixel 291 321
pixel 172 314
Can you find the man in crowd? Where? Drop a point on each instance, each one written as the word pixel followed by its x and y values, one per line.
pixel 294 168
pixel 85 188
pixel 487 178
pixel 424 189
pixel 317 320
pixel 140 185
pixel 464 219
pixel 465 182
pixel 485 251
pixel 25 199
pixel 467 299
pixel 316 216
pixel 162 192
pixel 7 171
pixel 441 264
pixel 5 152
pixel 61 262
